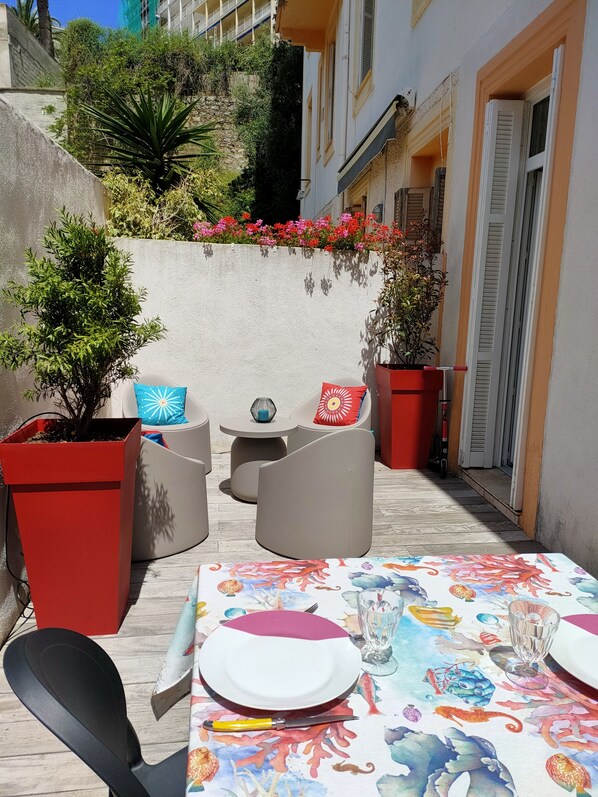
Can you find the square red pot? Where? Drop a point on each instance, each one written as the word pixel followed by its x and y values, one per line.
pixel 74 509
pixel 407 406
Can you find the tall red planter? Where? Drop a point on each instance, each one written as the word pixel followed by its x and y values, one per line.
pixel 74 509
pixel 407 406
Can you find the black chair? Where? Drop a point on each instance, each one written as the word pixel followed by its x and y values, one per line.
pixel 72 686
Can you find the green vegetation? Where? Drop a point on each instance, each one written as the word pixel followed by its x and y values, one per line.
pixel 269 119
pixel 96 62
pixel 136 211
pixel 79 327
pixel 140 135
pixel 412 289
pixel 99 65
pixel 26 11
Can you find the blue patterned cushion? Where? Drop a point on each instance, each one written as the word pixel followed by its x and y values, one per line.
pixel 160 405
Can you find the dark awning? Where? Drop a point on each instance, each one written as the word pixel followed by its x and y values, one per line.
pixel 370 145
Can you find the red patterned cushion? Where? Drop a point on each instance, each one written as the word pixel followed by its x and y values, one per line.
pixel 339 405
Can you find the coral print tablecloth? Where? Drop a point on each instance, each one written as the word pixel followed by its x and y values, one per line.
pixel 447 723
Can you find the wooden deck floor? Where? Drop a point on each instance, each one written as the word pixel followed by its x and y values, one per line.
pixel 415 513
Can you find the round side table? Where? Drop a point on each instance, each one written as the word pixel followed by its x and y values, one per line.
pixel 254 444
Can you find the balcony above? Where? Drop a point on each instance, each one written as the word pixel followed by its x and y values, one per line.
pixel 304 22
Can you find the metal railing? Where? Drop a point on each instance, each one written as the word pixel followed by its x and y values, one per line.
pixel 248 23
pixel 216 16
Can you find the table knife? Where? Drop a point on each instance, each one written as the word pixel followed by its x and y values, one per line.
pixel 277 723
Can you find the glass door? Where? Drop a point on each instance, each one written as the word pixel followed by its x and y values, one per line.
pixel 519 295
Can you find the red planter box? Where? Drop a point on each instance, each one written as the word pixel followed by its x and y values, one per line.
pixel 74 508
pixel 407 406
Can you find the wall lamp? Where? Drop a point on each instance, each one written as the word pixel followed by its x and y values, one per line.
pixel 378 212
pixel 302 191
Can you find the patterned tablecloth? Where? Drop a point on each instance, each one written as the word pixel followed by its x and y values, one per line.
pixel 447 723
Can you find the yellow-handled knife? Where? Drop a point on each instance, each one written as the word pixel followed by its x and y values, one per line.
pixel 277 723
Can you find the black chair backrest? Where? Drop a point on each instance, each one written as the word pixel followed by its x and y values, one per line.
pixel 71 685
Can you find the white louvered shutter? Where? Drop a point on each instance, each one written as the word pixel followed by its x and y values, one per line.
pixel 367 38
pixel 496 212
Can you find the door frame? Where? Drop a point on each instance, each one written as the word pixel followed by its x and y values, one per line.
pixel 522 63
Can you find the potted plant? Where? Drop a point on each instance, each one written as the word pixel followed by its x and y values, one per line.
pixel 73 477
pixel 411 292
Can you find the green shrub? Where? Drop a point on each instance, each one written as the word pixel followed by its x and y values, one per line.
pixel 79 326
pixel 137 212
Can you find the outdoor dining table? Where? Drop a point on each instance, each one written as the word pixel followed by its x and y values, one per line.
pixel 448 722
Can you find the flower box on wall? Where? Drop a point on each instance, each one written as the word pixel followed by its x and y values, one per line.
pixel 407 406
pixel 74 508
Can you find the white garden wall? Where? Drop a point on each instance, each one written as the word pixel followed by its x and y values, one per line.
pixel 245 322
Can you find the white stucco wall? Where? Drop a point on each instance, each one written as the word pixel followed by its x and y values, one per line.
pixel 245 322
pixel 403 57
pixel 37 177
pixel 568 509
pixel 40 106
pixel 409 57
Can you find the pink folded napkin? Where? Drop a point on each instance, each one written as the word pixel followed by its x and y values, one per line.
pixel 298 625
pixel 589 622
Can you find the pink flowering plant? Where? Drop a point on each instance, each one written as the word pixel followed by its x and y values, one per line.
pixel 354 232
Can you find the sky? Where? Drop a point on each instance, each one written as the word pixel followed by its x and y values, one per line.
pixel 104 12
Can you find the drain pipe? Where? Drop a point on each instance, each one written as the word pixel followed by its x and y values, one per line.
pixel 347 93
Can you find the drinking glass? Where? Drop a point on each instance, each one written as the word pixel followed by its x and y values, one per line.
pixel 533 626
pixel 379 613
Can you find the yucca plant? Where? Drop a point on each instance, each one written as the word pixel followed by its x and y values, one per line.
pixel 149 136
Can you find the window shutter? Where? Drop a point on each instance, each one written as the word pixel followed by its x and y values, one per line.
pixel 496 212
pixel 412 206
pixel 331 67
pixel 399 200
pixel 437 208
pixel 367 38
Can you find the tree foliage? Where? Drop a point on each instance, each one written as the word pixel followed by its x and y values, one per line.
pixel 269 118
pixel 79 325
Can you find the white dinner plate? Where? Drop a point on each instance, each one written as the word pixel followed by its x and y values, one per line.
pixel 576 648
pixel 279 660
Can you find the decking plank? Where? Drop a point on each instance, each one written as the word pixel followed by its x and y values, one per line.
pixel 415 513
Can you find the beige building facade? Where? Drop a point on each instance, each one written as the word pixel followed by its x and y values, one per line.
pixel 218 20
pixel 479 117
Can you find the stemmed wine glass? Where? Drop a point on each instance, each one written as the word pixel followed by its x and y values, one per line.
pixel 533 626
pixel 379 612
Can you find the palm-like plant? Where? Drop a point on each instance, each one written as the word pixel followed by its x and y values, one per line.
pixel 147 136
pixel 26 11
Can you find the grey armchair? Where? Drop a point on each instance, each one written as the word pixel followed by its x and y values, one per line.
pixel 171 505
pixel 318 501
pixel 308 431
pixel 188 439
